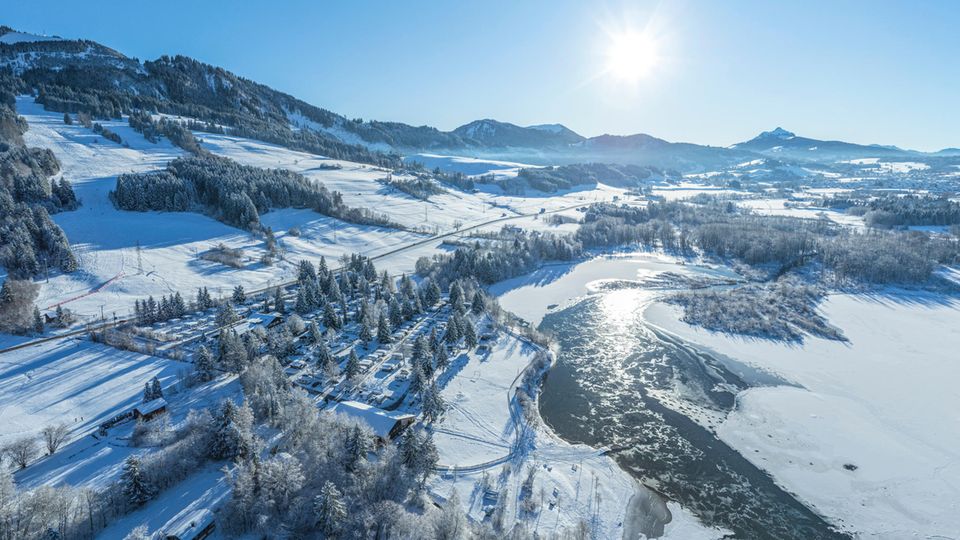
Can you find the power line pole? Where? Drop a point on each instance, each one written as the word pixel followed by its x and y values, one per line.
pixel 139 259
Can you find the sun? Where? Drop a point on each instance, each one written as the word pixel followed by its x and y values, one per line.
pixel 631 56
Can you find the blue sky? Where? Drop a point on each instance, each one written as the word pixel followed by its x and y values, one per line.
pixel 864 71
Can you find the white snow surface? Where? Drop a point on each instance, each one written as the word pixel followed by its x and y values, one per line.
pixel 105 239
pixel 11 38
pixel 64 381
pixel 478 429
pixel 886 403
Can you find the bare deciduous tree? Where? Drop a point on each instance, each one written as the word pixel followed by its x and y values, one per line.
pixel 54 436
pixel 21 451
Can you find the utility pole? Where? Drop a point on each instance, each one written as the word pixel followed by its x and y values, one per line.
pixel 139 259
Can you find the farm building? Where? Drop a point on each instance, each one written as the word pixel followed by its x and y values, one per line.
pixel 386 425
pixel 150 409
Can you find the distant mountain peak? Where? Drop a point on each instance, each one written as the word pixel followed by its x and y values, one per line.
pixel 778 133
pixel 493 133
pixel 552 128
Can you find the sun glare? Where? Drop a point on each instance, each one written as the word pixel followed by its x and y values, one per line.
pixel 631 56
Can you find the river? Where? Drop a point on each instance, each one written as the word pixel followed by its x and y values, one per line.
pixel 620 383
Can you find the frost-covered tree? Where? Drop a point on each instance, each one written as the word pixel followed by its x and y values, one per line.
pixel 418 380
pixel 239 296
pixel 441 359
pixel 279 305
pixel 433 403
pixel 314 332
pixel 303 304
pixel 456 297
pixel 233 431
pixel 421 350
pixel 477 306
pixel 352 369
pixel 365 334
pixel 431 293
pixel 233 354
pixel 37 321
pixel 324 357
pixel 204 364
pixel 355 449
pixel 469 334
pixel 136 488
pixel 383 329
pixel 330 317
pixel 156 389
pixel 329 509
pixel 21 451
pixel 450 523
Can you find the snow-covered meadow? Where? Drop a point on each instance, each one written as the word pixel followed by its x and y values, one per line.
pixel 79 383
pixel 106 239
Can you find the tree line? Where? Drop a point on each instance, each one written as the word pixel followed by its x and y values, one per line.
pixel 230 192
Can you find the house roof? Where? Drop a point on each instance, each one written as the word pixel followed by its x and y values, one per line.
pixel 264 319
pixel 151 406
pixel 379 420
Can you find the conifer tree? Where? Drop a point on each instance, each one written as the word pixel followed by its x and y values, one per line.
pixel 365 334
pixel 469 334
pixel 204 364
pixel 352 369
pixel 330 510
pixel 278 304
pixel 383 329
pixel 136 489
pixel 477 306
pixel 239 295
pixel 314 332
pixel 37 320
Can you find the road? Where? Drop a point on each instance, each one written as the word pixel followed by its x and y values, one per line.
pixel 412 245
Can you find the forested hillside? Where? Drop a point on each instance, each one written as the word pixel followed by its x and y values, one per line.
pixel 230 192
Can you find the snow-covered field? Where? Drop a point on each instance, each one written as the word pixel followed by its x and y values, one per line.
pixel 105 239
pixel 361 185
pixel 779 207
pixel 469 166
pixel 112 271
pixel 884 405
pixel 75 382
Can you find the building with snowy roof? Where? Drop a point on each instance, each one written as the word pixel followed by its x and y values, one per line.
pixel 150 409
pixel 386 425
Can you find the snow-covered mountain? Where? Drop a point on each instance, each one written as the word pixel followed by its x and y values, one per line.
pixel 85 75
pixel 494 134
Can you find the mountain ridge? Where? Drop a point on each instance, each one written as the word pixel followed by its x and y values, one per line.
pixel 73 73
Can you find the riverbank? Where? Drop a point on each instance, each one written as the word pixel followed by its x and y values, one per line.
pixel 556 286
